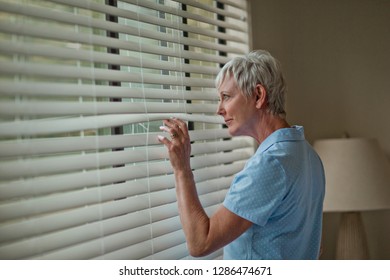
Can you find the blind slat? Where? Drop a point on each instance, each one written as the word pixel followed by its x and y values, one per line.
pixel 238 4
pixel 209 8
pixel 31 89
pixel 99 142
pixel 47 108
pixel 62 125
pixel 75 72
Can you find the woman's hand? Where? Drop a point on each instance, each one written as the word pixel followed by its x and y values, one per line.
pixel 179 146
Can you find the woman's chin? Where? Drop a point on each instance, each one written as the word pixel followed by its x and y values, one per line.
pixel 232 131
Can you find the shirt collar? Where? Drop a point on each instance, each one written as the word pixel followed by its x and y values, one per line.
pixel 293 133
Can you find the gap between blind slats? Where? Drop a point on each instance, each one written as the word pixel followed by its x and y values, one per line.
pixel 66 108
pixel 73 19
pixel 61 125
pixel 44 185
pixel 23 88
pixel 12 169
pixel 234 3
pixel 208 8
pixel 99 74
pixel 127 14
pixel 100 57
pixel 186 14
pixel 33 147
pixel 62 34
pixel 116 221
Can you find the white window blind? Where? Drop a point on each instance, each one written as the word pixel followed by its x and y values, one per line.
pixel 84 87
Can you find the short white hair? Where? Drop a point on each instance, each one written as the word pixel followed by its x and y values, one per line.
pixel 258 67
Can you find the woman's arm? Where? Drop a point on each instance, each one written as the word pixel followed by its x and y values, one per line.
pixel 204 235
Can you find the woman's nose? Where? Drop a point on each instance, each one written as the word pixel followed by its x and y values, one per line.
pixel 220 109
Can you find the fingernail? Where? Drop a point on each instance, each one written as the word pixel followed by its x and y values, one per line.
pixel 160 137
pixel 162 127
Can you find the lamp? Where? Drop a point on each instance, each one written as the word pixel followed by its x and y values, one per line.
pixel 357 176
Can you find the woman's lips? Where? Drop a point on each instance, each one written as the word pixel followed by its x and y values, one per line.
pixel 228 122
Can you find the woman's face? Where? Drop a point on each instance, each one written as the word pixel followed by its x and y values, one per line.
pixel 238 111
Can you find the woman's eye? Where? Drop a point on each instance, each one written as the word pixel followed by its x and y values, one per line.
pixel 224 97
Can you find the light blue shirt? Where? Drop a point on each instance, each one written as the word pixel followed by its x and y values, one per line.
pixel 281 191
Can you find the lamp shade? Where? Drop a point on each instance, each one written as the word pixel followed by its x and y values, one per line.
pixel 357 174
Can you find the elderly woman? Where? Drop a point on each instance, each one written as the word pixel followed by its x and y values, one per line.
pixel 273 209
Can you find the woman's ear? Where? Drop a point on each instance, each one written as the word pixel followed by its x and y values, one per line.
pixel 261 96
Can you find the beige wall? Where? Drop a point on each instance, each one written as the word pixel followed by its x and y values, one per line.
pixel 336 58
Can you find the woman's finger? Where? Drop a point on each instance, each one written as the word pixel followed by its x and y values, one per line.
pixel 172 132
pixel 163 140
pixel 178 125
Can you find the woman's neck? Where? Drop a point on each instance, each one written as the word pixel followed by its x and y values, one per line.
pixel 269 124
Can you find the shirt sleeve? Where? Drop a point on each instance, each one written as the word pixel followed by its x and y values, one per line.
pixel 257 190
